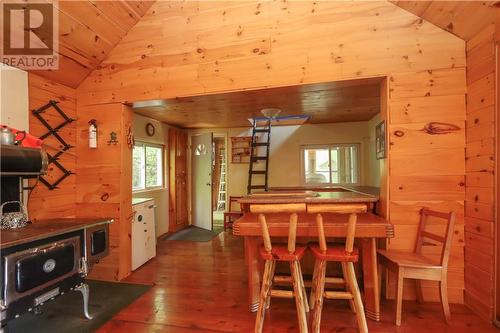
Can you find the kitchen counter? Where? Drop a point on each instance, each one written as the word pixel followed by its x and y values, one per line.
pixel 333 194
pixel 46 228
pixel 137 201
pixel 369 190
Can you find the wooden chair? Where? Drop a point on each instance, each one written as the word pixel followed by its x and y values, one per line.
pixel 233 214
pixel 347 255
pixel 418 266
pixel 289 252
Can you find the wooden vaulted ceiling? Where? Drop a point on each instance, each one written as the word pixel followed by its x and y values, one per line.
pixel 88 31
pixel 340 101
pixel 462 18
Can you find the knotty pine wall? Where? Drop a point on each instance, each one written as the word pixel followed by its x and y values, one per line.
pixel 192 48
pixel 60 202
pixel 104 182
pixel 479 199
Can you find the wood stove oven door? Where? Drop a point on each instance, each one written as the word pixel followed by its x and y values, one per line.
pixel 36 268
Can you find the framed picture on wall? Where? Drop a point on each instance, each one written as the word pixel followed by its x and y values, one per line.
pixel 380 140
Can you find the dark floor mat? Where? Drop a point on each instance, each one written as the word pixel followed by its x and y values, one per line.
pixel 195 234
pixel 65 313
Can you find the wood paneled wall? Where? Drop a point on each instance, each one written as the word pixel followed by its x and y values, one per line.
pixel 88 30
pixel 104 182
pixel 479 202
pixel 60 202
pixel 193 48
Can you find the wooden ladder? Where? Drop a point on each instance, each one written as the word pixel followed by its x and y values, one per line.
pixel 256 159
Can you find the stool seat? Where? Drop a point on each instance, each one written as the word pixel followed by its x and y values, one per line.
pixel 280 253
pixel 334 253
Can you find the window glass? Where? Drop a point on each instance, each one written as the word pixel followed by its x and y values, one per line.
pixel 317 166
pixel 138 176
pixel 147 167
pixel 335 164
pixel 153 166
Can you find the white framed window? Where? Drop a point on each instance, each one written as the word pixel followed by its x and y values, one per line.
pixel 147 166
pixel 330 164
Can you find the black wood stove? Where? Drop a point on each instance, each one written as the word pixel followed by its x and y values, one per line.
pixel 44 259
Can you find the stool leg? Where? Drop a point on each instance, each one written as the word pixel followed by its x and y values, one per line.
pixel 320 288
pixel 344 273
pixel 399 296
pixel 264 291
pixel 303 288
pixel 358 303
pixel 271 277
pixel 297 292
pixel 312 300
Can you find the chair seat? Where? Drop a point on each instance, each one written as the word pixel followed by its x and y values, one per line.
pixel 334 253
pixel 280 253
pixel 408 259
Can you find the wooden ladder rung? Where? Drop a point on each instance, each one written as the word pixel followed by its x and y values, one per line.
pixel 334 280
pixel 338 295
pixel 282 293
pixel 288 279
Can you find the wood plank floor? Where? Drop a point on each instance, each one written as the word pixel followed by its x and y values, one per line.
pixel 201 287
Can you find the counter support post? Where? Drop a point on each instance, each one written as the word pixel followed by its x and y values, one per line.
pixel 370 278
pixel 253 263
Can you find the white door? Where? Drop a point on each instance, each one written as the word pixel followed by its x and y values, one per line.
pixel 201 180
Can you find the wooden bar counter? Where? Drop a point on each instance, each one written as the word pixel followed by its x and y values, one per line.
pixel 369 227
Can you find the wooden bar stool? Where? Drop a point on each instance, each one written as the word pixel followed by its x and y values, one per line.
pixel 415 265
pixel 289 253
pixel 347 255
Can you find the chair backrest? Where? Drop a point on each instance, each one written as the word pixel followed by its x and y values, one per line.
pixel 232 202
pixel 351 209
pixel 445 240
pixel 292 209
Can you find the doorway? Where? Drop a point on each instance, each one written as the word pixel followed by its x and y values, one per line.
pixel 219 181
pixel 201 191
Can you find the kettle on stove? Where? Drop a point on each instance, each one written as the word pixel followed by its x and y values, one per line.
pixel 8 137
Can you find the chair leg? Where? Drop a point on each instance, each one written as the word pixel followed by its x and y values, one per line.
pixel 303 288
pixel 271 277
pixel 312 300
pixel 399 296
pixel 443 293
pixel 297 292
pixel 318 298
pixel 264 291
pixel 420 294
pixel 344 274
pixel 380 271
pixel 358 303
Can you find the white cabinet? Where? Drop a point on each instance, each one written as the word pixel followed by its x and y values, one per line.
pixel 143 233
pixel 14 109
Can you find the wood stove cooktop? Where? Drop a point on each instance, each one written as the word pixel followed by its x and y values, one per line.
pixel 46 228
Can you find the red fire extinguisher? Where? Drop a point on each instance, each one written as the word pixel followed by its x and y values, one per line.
pixel 92 133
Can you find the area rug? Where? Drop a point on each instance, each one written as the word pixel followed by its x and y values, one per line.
pixel 65 313
pixel 195 234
